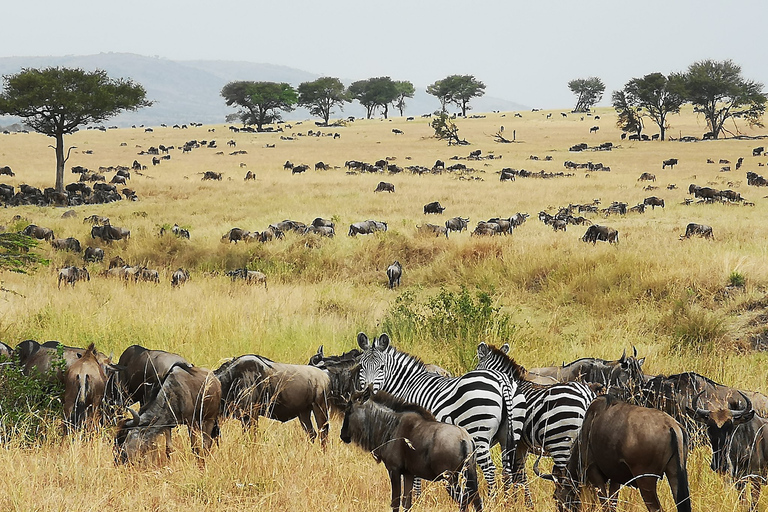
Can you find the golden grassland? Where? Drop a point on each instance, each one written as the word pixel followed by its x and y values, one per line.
pixel 567 299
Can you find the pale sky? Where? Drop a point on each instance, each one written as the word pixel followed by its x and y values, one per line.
pixel 523 51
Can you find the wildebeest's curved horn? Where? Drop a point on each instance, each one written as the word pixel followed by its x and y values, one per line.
pixel 623 356
pixel 738 414
pixel 548 476
pixel 704 413
pixel 134 421
pixel 634 351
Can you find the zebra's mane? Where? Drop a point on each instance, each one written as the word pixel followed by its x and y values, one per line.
pixel 517 371
pixel 405 356
pixel 398 405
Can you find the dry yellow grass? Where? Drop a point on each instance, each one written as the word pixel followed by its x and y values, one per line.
pixel 567 299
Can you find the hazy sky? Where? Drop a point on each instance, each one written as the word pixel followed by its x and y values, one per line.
pixel 523 51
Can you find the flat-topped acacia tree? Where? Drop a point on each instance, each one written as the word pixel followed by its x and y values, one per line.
pixel 56 101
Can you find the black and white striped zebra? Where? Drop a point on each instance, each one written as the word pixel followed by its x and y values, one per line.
pixel 554 413
pixel 484 402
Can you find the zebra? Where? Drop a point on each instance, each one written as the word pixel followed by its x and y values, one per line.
pixel 553 418
pixel 482 401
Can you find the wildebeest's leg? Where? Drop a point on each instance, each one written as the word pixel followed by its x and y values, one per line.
pixel 647 486
pixel 518 472
pixel 305 418
pixel 407 491
pixel 168 443
pixel 321 418
pixel 613 495
pixel 394 480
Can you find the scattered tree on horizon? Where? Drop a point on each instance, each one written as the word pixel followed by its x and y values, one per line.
pixel 405 90
pixel 717 90
pixel 446 129
pixel 458 90
pixel 588 92
pixel 321 96
pixel 56 101
pixel 260 102
pixel 374 93
pixel 654 96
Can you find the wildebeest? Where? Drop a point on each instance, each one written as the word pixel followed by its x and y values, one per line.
pixel 432 229
pixel 254 386
pixel 249 276
pixel 70 275
pixel 394 273
pixel 42 360
pixel 624 373
pixel 739 440
pixel 321 166
pixel 670 162
pixel 383 186
pixel 646 176
pixel 6 171
pixel 366 227
pixel 108 233
pixel 758 151
pixel 96 220
pixel 701 230
pixel 486 229
pixel 653 202
pixel 179 277
pixel 66 244
pixel 433 207
pixel 249 176
pixel 456 224
pixel 187 396
pixel 38 232
pixel 139 373
pixel 622 444
pixel 299 169
pixel 211 175
pixel 84 386
pixel 596 232
pixel 412 444
pixel 235 235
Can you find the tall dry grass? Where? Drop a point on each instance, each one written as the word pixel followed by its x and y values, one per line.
pixel 563 299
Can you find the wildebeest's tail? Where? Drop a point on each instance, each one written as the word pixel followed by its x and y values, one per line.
pixel 682 494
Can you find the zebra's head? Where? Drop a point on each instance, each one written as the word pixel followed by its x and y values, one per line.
pixel 372 362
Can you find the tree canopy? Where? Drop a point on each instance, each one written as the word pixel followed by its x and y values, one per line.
pixel 56 101
pixel 588 92
pixel 654 96
pixel 717 90
pixel 374 93
pixel 15 254
pixel 260 102
pixel 629 117
pixel 457 89
pixel 405 90
pixel 321 96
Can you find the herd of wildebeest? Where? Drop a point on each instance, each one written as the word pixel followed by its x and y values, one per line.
pixel 604 423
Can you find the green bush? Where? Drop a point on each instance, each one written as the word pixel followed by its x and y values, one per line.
pixel 736 278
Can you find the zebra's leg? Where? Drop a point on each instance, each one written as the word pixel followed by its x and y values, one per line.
pixel 416 487
pixel 485 463
pixel 519 477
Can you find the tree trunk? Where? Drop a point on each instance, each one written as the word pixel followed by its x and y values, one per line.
pixel 386 110
pixel 60 162
pixel 464 109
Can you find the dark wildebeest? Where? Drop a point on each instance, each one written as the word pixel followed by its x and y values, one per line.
pixel 432 229
pixel 117 261
pixel 394 273
pixel 624 373
pixel 457 224
pixel 383 186
pixel 739 440
pixel 288 165
pixel 653 202
pixel 321 166
pixel 71 275
pixel 433 207
pixel 758 151
pixel 211 175
pixel 701 230
pixel 84 385
pixel 108 233
pixel 187 396
pixel 66 244
pixel 254 386
pixel 299 169
pixel 249 176
pixel 622 444
pixel 596 232
pixel 140 373
pixel 486 229
pixel 6 171
pixel 179 277
pixel 366 227
pixel 320 222
pixel 93 254
pixel 412 444
pixel 38 232
pixel 671 163
pixel 37 359
pixel 235 235
pixel 646 176
pixel 706 193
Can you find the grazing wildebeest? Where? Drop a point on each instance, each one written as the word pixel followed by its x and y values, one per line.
pixel 596 232
pixel 433 207
pixel 108 233
pixel 758 151
pixel 594 129
pixel 117 261
pixel 84 385
pixel 622 444
pixel 624 373
pixel 486 229
pixel 96 220
pixel 701 230
pixel 433 229
pixel 6 171
pixel 235 235
pixel 321 166
pixel 457 224
pixel 670 162
pixel 187 396
pixel 38 232
pixel 288 165
pixel 439 164
pixel 322 231
pixel 383 186
pixel 249 276
pixel 299 169
pixel 66 244
pixel 254 386
pixel 139 373
pixel 739 440
pixel 412 444
pixel 71 275
pixel 179 277
pixel 42 360
pixel 646 176
pixel 211 175
pixel 394 273
pixel 366 227
pixel 653 202
pixel 249 176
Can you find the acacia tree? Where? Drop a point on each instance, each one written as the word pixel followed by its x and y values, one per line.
pixel 260 102
pixel 588 92
pixel 629 117
pixel 56 101
pixel 718 91
pixel 654 96
pixel 15 254
pixel 321 96
pixel 374 93
pixel 405 90
pixel 457 89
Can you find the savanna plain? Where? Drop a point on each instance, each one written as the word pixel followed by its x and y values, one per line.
pixel 692 305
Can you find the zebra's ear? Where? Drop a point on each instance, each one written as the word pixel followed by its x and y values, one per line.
pixel 362 341
pixel 482 350
pixel 320 351
pixel 382 342
pixel 505 348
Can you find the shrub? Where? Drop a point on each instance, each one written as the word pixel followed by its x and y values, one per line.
pixel 736 278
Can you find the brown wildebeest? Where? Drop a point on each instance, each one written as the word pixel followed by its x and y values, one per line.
pixel 383 186
pixel 647 176
pixel 140 372
pixel 235 235
pixel 84 385
pixel 188 396
pixel 622 444
pixel 432 229
pixel 394 273
pixel 625 373
pixel 701 230
pixel 412 444
pixel 37 359
pixel 254 386
pixel 71 275
pixel 38 232
pixel 603 233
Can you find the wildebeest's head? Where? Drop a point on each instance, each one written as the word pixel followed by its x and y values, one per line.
pixel 720 427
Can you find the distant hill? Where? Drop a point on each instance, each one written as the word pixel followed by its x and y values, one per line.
pixel 189 91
